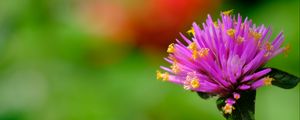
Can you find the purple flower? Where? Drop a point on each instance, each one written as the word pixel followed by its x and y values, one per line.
pixel 223 58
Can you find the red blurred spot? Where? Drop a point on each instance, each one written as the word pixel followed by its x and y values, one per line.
pixel 148 23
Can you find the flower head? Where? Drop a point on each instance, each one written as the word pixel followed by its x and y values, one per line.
pixel 223 58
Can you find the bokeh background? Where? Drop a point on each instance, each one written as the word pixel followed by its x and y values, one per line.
pixel 96 60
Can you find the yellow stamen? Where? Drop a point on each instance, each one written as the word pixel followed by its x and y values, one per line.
pixel 267 54
pixel 242 26
pixel 236 97
pixel 163 76
pixel 191 81
pixel 268 80
pixel 269 46
pixel 195 83
pixel 171 48
pixel 195 54
pixel 259 43
pixel 172 58
pixel 235 23
pixel 256 35
pixel 192 46
pixel 240 40
pixel 203 52
pixel 191 31
pixel 158 74
pixel 216 24
pixel 228 108
pixel 166 76
pixel 175 68
pixel 231 32
pixel 186 87
pixel 228 12
pixel 286 49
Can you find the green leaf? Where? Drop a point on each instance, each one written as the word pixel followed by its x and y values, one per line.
pixel 205 95
pixel 244 107
pixel 283 79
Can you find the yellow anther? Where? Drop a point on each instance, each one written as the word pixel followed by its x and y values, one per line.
pixel 195 54
pixel 192 46
pixel 259 43
pixel 216 24
pixel 228 12
pixel 203 52
pixel 195 83
pixel 240 39
pixel 269 46
pixel 236 96
pixel 268 80
pixel 267 54
pixel 191 81
pixel 158 74
pixel 175 68
pixel 228 108
pixel 166 76
pixel 171 48
pixel 269 49
pixel 172 58
pixel 242 25
pixel 255 35
pixel 191 31
pixel 231 32
pixel 163 76
pixel 286 49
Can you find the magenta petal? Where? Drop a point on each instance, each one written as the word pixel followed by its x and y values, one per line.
pixel 244 87
pixel 230 101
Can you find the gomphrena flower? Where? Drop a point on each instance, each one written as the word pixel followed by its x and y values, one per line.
pixel 223 57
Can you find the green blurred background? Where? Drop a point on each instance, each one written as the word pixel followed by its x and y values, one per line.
pixel 96 60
